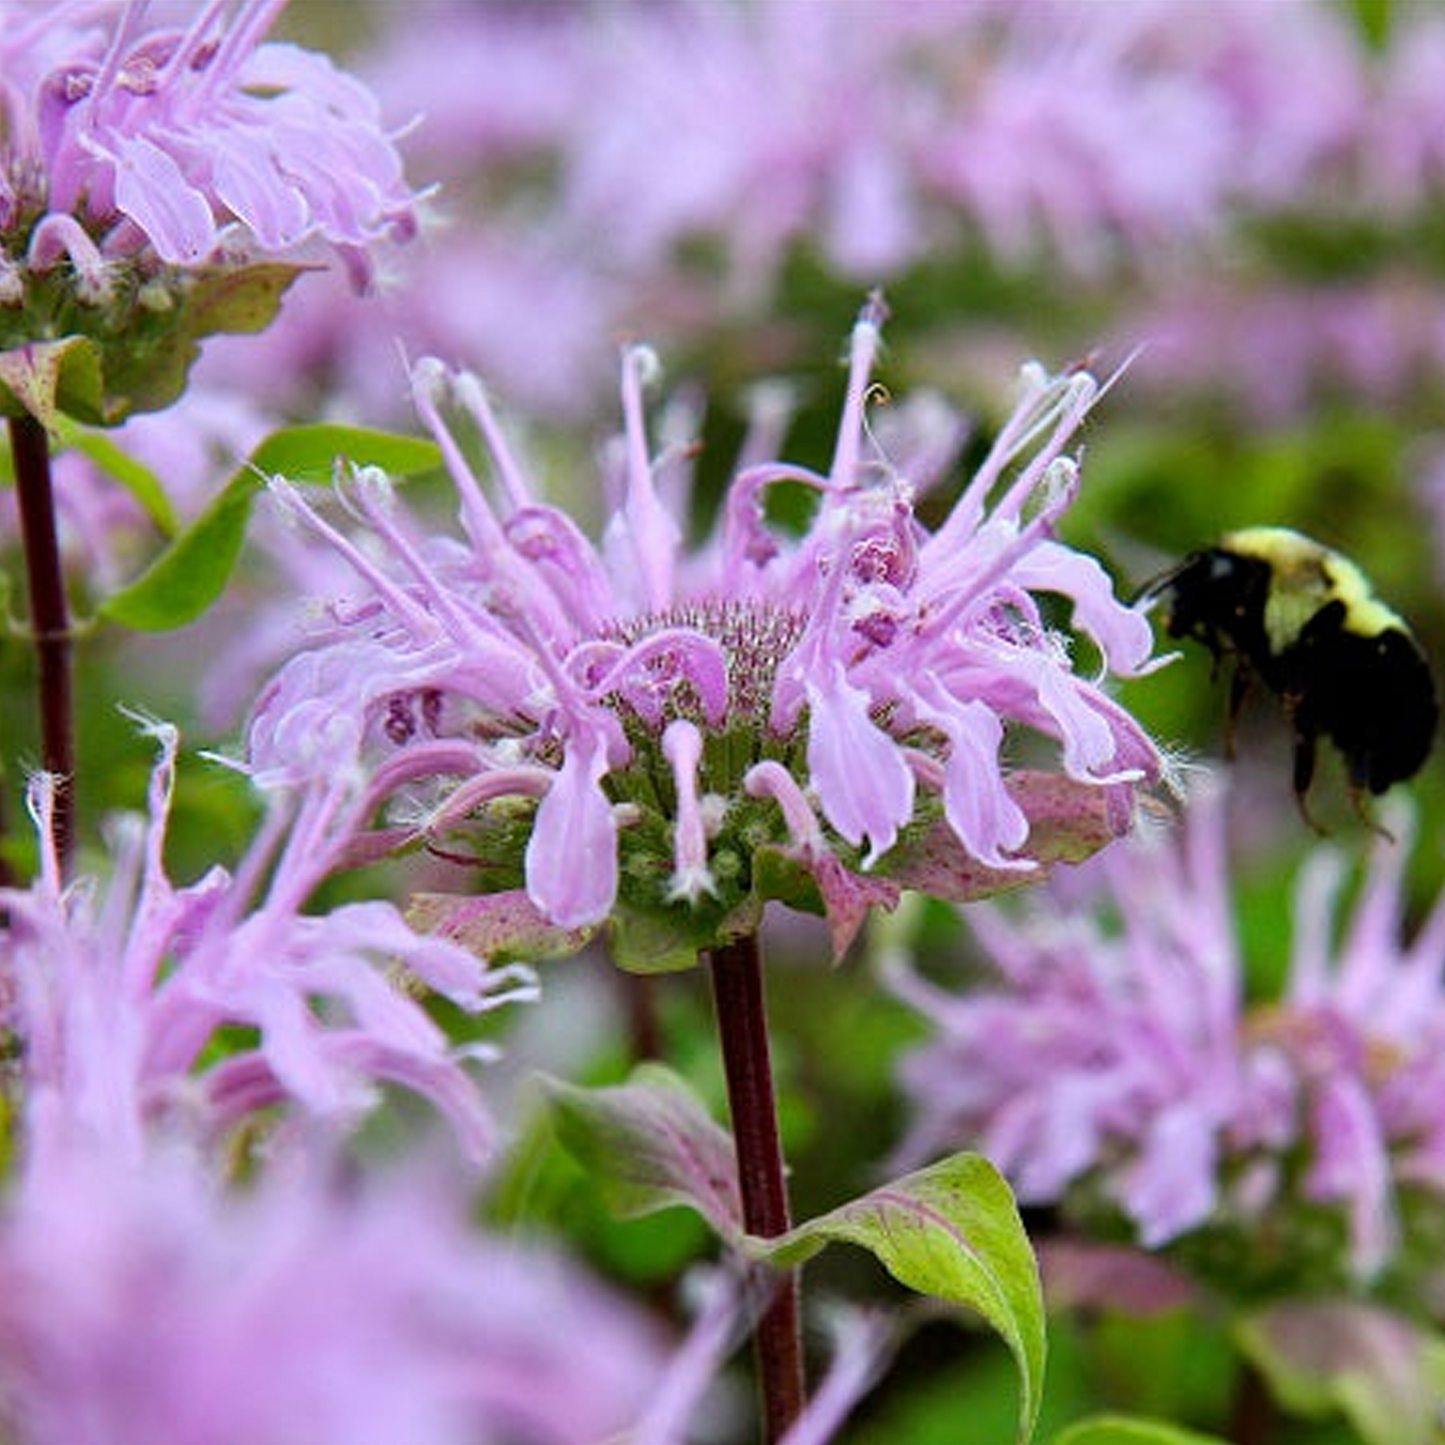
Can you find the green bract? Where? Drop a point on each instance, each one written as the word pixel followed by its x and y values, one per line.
pixel 101 359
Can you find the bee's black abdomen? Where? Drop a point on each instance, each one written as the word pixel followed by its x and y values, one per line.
pixel 1373 697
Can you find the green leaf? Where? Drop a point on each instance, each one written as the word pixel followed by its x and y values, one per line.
pixel 235 299
pixel 1130 1430
pixel 147 364
pixel 647 941
pixel 649 1144
pixel 951 1231
pixel 132 474
pixel 308 453
pixel 192 572
pixel 1384 1372
pixel 46 378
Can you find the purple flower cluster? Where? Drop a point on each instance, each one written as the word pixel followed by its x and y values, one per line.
pixel 1269 346
pixel 637 719
pixel 182 144
pixel 149 1304
pixel 1118 1065
pixel 1129 141
pixel 120 997
pixel 1095 138
pixel 1094 135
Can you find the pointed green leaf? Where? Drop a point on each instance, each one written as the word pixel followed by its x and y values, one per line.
pixel 308 453
pixel 191 573
pixel 644 941
pixel 650 1145
pixel 951 1231
pixel 1130 1430
pixel 237 299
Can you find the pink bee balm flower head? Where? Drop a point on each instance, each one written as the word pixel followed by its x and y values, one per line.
pixel 119 996
pixel 1117 1066
pixel 136 165
pixel 623 167
pixel 152 1305
pixel 164 138
pixel 635 729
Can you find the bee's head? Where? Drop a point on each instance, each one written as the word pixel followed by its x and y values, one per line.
pixel 1211 592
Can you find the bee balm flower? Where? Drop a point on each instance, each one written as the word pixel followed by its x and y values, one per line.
pixel 119 997
pixel 151 1304
pixel 163 138
pixel 635 730
pixel 152 180
pixel 1118 1067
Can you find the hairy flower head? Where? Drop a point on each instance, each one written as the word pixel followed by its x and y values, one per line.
pixel 636 729
pixel 1119 1066
pixel 152 181
pixel 149 1304
pixel 121 998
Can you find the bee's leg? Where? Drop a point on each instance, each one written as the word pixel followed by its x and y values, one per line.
pixel 1304 774
pixel 1239 686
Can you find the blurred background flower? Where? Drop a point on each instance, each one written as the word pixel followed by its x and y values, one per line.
pixel 148 1304
pixel 1120 1058
pixel 985 152
pixel 146 1006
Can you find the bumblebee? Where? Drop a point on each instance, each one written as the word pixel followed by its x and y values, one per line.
pixel 1305 621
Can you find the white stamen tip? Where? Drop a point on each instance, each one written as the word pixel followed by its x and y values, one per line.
pixel 430 377
pixel 1033 378
pixel 647 363
pixel 470 391
pixel 714 809
pixel 167 734
pixel 1061 478
pixel 375 486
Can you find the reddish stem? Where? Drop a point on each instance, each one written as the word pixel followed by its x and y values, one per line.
pixel 737 983
pixel 1252 1415
pixel 639 999
pixel 49 617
